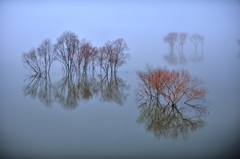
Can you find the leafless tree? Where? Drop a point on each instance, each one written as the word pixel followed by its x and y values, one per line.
pixel 100 58
pixel 45 51
pixel 66 48
pixel 196 39
pixel 164 96
pixel 171 87
pixel 105 56
pixel 113 55
pixel 171 38
pixel 182 37
pixel 32 61
pixel 40 60
pixel 88 54
pixel 94 53
pixel 120 56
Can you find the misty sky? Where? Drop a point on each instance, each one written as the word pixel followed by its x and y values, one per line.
pixel 25 24
pixel 143 25
pixel 30 22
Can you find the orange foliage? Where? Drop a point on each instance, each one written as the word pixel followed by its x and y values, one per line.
pixel 172 86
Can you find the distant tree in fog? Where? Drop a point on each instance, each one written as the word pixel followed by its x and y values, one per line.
pixel 196 39
pixel 171 38
pixel 182 37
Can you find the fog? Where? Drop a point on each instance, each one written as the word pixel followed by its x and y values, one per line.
pixel 97 128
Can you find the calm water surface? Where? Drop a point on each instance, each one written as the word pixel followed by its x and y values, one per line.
pixel 100 118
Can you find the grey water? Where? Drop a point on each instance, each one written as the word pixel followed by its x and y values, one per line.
pixel 42 118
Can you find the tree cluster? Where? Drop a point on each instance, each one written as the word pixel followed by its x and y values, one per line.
pixel 40 60
pixel 178 40
pixel 169 88
pixel 164 95
pixel 76 55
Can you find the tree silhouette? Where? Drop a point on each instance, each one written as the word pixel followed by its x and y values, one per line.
pixel 120 57
pixel 182 37
pixel 45 51
pixel 32 62
pixel 176 40
pixel 66 49
pixel 196 39
pixel 171 38
pixel 171 87
pixel 40 60
pixel 75 56
pixel 164 96
pixel 113 55
pixel 105 56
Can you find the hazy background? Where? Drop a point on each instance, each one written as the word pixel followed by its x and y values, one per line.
pixel 28 128
pixel 25 24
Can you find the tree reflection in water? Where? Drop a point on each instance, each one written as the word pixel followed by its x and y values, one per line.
pixel 176 58
pixel 74 87
pixel 164 99
pixel 40 87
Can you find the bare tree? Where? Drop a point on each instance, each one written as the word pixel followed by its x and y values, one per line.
pixel 171 87
pixel 113 55
pixel 66 48
pixel 94 53
pixel 120 57
pixel 32 62
pixel 88 53
pixel 45 51
pixel 100 58
pixel 182 37
pixel 105 56
pixel 196 39
pixel 171 39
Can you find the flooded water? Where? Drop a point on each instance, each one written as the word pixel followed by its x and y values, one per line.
pixel 97 116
